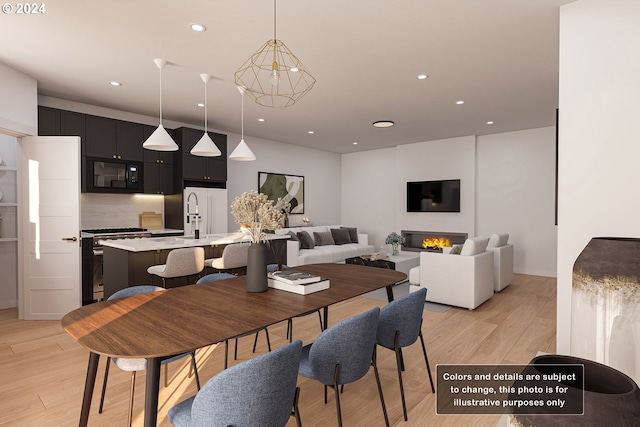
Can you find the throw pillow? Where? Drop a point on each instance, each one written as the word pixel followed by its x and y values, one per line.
pixel 306 242
pixel 340 236
pixel 474 246
pixel 498 239
pixel 294 236
pixel 455 250
pixel 323 238
pixel 353 233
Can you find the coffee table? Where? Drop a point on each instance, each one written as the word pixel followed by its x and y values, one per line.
pixel 402 262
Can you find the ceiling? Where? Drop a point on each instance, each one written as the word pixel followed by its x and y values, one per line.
pixel 498 56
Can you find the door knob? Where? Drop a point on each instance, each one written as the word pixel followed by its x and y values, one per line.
pixel 72 239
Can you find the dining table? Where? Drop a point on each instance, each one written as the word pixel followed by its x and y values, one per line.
pixel 161 324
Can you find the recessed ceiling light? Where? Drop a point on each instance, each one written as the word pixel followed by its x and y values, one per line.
pixel 114 83
pixel 383 124
pixel 311 132
pixel 354 143
pixel 422 76
pixel 200 104
pixel 460 102
pixel 261 120
pixel 490 122
pixel 198 27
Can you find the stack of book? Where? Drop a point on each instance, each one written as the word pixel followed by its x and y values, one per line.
pixel 297 281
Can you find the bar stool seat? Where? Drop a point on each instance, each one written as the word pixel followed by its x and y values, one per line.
pixel 233 256
pixel 180 263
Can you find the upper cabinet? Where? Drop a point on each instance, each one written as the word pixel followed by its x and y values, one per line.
pixel 114 139
pixel 198 170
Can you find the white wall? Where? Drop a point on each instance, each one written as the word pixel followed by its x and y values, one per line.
pixel 515 171
pixel 598 127
pixel 18 103
pixel 516 194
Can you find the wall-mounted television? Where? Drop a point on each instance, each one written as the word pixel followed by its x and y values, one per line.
pixel 433 196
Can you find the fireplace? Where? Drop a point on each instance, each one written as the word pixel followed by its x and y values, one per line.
pixel 432 241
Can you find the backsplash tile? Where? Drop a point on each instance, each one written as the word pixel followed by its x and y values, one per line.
pixel 117 210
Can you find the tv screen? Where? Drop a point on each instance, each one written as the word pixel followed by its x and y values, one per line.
pixel 433 196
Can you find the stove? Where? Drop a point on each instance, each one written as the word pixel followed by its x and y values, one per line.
pixel 92 250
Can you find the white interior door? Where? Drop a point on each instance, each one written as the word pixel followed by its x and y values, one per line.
pixel 49 239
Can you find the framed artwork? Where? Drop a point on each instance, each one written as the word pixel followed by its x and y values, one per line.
pixel 287 187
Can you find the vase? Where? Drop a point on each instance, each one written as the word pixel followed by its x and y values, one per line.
pixel 605 304
pixel 395 249
pixel 286 221
pixel 257 268
pixel 609 398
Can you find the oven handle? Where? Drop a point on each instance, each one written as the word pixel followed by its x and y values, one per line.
pixel 98 252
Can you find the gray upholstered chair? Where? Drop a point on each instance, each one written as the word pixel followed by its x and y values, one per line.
pixel 180 263
pixel 222 276
pixel 233 256
pixel 258 392
pixel 343 354
pixel 134 364
pixel 400 325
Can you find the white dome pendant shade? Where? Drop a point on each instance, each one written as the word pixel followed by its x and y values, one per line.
pixel 205 147
pixel 160 140
pixel 242 153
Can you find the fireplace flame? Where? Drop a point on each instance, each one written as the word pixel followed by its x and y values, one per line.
pixel 435 242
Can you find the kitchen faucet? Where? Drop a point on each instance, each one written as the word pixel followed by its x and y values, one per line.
pixel 196 217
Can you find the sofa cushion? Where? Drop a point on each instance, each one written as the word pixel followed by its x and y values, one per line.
pixel 353 233
pixel 294 236
pixel 323 238
pixel 498 239
pixel 340 236
pixel 474 246
pixel 306 241
pixel 455 250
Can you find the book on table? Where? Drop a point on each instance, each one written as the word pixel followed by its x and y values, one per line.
pixel 302 289
pixel 294 277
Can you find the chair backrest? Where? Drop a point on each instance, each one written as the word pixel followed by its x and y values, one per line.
pixel 134 290
pixel 350 344
pixel 213 277
pixel 235 255
pixel 184 262
pixel 403 315
pixel 257 392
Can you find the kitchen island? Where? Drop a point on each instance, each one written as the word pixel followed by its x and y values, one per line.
pixel 126 261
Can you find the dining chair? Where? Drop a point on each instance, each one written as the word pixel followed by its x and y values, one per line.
pixel 343 354
pixel 180 262
pixel 213 277
pixel 139 364
pixel 258 392
pixel 399 326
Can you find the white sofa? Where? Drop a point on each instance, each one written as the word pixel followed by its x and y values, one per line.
pixel 323 253
pixel 502 260
pixel 462 280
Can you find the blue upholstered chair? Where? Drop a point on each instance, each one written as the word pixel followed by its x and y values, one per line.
pixel 258 392
pixel 343 354
pixel 400 326
pixel 222 276
pixel 136 364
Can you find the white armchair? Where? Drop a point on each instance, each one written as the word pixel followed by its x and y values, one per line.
pixel 502 260
pixel 462 280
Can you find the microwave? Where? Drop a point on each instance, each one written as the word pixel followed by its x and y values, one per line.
pixel 113 176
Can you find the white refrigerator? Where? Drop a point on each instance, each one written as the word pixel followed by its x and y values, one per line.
pixel 212 210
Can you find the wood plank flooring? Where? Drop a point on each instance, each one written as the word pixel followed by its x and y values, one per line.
pixel 42 369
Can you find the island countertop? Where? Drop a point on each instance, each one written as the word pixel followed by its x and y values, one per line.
pixel 172 242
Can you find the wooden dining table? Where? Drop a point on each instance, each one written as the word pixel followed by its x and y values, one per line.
pixel 160 324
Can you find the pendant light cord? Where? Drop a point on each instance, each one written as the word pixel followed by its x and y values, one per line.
pixel 160 96
pixel 274 20
pixel 242 127
pixel 205 107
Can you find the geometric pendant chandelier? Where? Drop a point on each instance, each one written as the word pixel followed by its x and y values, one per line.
pixel 274 76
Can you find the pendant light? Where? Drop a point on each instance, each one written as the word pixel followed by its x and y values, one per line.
pixel 160 140
pixel 273 76
pixel 205 147
pixel 242 153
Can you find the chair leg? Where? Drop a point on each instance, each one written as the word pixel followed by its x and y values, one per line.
pixel 266 332
pixel 104 384
pixel 133 386
pixel 296 411
pixel 166 375
pixel 255 342
pixel 375 370
pixel 289 330
pixel 235 351
pixel 426 360
pixel 195 368
pixel 399 365
pixel 226 353
pixel 320 317
pixel 336 373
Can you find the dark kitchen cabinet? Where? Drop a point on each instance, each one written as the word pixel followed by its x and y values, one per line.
pixel 114 139
pixel 54 122
pixel 158 178
pixel 202 169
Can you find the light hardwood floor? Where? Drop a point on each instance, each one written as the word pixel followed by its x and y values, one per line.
pixel 42 369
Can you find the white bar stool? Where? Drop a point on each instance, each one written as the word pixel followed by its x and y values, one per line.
pixel 180 263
